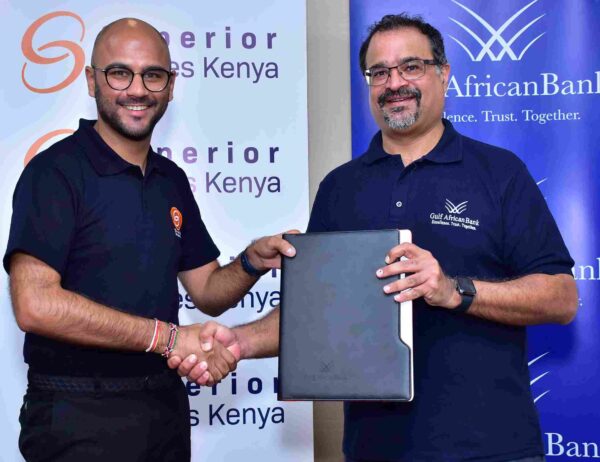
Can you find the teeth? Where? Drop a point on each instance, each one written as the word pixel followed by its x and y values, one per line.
pixel 136 108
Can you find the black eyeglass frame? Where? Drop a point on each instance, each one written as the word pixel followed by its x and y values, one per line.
pixel 133 74
pixel 426 62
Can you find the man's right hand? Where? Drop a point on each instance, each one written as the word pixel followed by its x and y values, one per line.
pixel 206 362
pixel 217 358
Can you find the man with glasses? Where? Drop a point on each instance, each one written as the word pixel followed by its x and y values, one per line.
pixel 487 260
pixel 102 228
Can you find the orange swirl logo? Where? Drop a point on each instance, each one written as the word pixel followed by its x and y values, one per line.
pixel 177 218
pixel 35 147
pixel 33 55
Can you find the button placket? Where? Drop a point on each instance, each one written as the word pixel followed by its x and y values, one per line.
pixel 398 198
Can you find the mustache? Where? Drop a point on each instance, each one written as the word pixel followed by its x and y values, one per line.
pixel 145 101
pixel 401 92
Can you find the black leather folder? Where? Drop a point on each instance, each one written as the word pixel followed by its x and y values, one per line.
pixel 341 336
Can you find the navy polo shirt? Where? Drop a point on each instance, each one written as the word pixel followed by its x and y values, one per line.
pixel 476 208
pixel 114 235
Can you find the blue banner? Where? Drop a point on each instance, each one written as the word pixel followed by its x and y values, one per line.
pixel 525 76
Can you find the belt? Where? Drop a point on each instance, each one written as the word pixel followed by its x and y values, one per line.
pixel 43 382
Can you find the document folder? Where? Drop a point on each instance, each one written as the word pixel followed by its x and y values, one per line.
pixel 341 336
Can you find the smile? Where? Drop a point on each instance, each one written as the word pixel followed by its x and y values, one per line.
pixel 136 108
pixel 399 99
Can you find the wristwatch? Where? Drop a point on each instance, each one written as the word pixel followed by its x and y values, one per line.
pixel 248 267
pixel 466 290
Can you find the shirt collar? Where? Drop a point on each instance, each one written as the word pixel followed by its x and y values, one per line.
pixel 447 150
pixel 102 157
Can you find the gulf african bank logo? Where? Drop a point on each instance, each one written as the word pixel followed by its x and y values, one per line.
pixel 497 38
pixel 458 208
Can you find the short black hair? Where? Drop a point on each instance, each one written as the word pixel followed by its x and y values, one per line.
pixel 400 21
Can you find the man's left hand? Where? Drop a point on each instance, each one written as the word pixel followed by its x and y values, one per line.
pixel 425 277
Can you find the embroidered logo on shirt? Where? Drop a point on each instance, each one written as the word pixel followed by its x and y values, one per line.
pixel 177 219
pixel 458 209
pixel 452 218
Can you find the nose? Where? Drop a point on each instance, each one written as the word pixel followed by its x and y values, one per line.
pixel 396 80
pixel 137 87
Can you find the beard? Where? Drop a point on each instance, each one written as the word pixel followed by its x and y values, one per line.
pixel 399 118
pixel 107 110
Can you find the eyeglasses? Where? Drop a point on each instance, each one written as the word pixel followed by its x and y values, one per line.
pixel 120 78
pixel 410 70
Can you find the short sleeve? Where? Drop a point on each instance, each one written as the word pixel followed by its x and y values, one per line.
pixel 44 216
pixel 198 248
pixel 532 241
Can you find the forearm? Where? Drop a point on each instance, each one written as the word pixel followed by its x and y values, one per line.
pixel 259 339
pixel 43 307
pixel 63 315
pixel 529 300
pixel 224 288
pixel 214 289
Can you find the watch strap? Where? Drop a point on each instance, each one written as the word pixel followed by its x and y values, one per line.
pixel 248 267
pixel 465 303
pixel 466 290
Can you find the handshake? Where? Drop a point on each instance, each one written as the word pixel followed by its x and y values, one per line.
pixel 206 353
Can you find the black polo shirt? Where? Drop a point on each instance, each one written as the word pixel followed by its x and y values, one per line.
pixel 476 208
pixel 114 237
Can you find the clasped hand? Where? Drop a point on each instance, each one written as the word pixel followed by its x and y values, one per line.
pixel 424 277
pixel 211 352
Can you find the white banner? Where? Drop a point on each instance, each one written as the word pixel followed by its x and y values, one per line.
pixel 237 126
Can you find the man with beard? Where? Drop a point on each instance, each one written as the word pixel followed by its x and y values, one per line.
pixel 102 228
pixel 487 260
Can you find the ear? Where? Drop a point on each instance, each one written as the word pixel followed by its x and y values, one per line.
pixel 445 75
pixel 172 85
pixel 91 81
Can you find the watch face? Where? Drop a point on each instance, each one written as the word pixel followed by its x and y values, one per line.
pixel 465 286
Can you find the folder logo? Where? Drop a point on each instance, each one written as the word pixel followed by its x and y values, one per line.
pixel 325 366
pixel 457 209
pixel 509 46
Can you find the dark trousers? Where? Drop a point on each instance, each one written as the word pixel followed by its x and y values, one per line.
pixel 101 426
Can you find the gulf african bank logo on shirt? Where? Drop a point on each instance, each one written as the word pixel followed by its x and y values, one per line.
pixel 511 39
pixel 458 209
pixel 454 218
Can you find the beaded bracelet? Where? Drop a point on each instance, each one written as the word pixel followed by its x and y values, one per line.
pixel 173 331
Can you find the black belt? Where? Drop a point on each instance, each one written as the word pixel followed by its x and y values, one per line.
pixel 43 382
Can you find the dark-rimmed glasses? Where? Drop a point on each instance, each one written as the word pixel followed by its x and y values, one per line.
pixel 119 78
pixel 409 70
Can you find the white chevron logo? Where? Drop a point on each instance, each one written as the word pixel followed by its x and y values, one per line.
pixel 458 209
pixel 535 379
pixel 496 36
